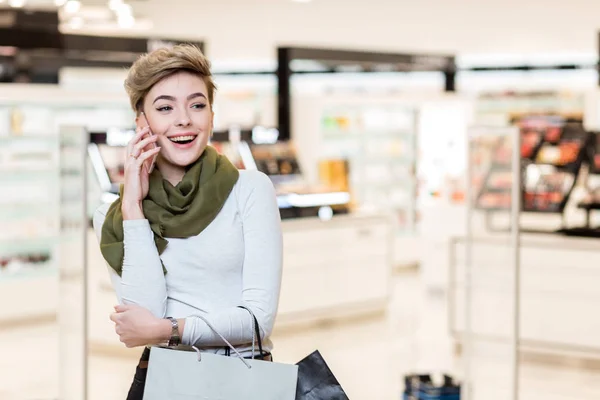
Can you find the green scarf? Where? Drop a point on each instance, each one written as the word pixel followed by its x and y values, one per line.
pixel 174 211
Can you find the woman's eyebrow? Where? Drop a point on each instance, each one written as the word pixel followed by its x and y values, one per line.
pixel 164 97
pixel 171 98
pixel 194 95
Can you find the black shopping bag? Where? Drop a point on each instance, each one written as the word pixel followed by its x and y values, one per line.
pixel 316 381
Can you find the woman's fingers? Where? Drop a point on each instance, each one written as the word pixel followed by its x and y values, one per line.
pixel 141 145
pixel 136 138
pixel 146 155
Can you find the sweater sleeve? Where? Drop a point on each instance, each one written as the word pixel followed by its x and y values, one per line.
pixel 142 281
pixel 262 269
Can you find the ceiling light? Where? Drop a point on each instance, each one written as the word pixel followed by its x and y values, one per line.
pixel 59 3
pixel 76 23
pixel 126 21
pixel 124 9
pixel 114 4
pixel 72 6
pixel 16 3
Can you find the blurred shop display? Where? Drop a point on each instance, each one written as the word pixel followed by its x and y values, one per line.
pixel 590 204
pixel 42 109
pixel 294 61
pixel 342 108
pixel 244 100
pixel 29 178
pixel 260 148
pixel 107 152
pixel 40 193
pixel 513 271
pixel 422 387
pixel 553 150
pixel 592 198
pixel 378 143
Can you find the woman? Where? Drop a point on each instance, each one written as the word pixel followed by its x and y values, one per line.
pixel 193 235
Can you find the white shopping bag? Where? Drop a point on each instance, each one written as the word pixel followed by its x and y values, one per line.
pixel 194 375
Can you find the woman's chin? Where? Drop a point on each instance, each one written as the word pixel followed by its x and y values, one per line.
pixel 183 158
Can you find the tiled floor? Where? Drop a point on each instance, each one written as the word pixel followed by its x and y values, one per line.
pixel 369 356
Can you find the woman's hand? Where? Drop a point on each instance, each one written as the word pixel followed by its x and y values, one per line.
pixel 136 182
pixel 136 326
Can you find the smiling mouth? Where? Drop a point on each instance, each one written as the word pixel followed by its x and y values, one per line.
pixel 183 139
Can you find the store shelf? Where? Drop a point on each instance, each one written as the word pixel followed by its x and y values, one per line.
pixel 11 174
pixel 384 185
pixel 494 209
pixel 501 167
pixel 581 232
pixel 29 273
pixel 9 212
pixel 19 246
pixel 550 210
pixel 43 139
pixel 385 159
pixel 369 134
pixel 497 190
pixel 589 206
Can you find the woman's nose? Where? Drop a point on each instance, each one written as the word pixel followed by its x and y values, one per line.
pixel 183 120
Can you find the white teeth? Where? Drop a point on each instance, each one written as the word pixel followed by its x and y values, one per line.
pixel 181 138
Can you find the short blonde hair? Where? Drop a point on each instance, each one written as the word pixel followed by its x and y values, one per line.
pixel 153 67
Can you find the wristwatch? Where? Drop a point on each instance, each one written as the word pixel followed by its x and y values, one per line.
pixel 175 339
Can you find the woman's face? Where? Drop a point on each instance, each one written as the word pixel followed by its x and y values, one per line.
pixel 179 113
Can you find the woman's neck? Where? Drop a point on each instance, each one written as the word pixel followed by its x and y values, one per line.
pixel 172 173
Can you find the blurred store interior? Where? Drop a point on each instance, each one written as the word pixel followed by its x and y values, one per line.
pixel 451 149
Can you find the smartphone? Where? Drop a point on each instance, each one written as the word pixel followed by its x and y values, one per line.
pixel 153 145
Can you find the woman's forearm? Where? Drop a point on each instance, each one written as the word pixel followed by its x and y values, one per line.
pixel 142 279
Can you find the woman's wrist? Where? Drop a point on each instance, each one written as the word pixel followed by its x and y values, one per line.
pixel 132 211
pixel 164 329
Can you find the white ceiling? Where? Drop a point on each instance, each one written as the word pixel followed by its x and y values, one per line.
pixel 252 29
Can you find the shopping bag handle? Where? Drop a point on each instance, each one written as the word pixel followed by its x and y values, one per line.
pixel 256 333
pixel 224 340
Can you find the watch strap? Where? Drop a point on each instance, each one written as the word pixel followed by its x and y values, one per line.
pixel 175 337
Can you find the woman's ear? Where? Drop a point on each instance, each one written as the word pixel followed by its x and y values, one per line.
pixel 138 121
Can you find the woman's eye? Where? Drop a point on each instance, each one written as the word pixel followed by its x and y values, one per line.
pixel 199 105
pixel 164 108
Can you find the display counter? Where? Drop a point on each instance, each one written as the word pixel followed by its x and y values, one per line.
pixel 332 269
pixel 559 296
